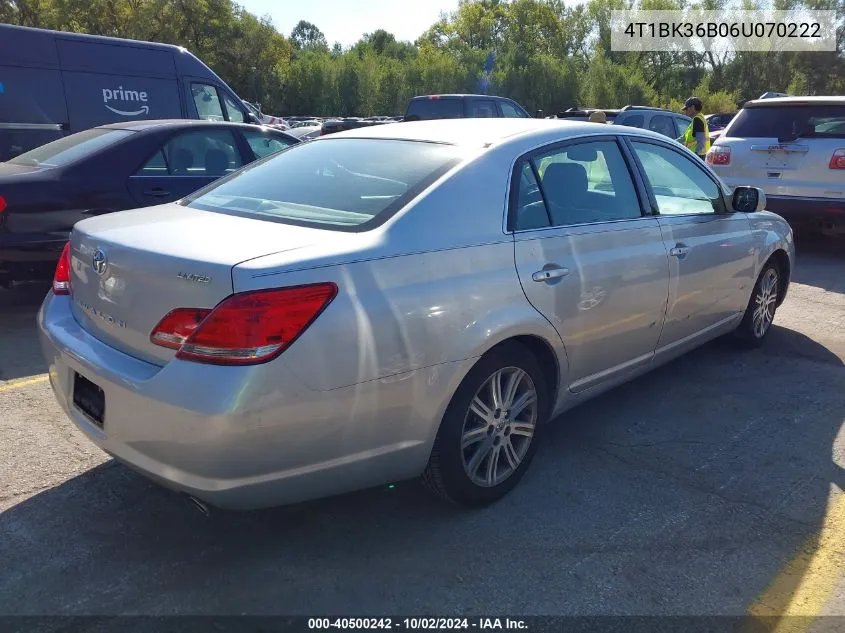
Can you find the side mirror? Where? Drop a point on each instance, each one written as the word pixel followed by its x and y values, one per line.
pixel 748 199
pixel 249 117
pixel 538 114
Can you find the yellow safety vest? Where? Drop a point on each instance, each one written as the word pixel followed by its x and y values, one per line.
pixel 689 137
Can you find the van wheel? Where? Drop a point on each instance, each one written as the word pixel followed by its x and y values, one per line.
pixel 489 433
pixel 760 313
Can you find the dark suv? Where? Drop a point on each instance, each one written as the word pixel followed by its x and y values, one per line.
pixel 462 106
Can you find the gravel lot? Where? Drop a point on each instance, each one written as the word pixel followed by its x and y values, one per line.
pixel 687 492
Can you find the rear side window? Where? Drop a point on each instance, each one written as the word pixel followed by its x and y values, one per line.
pixel 199 153
pixel 788 122
pixel 483 109
pixel 331 183
pixel 70 148
pixel 582 183
pixel 662 124
pixel 436 109
pixel 633 120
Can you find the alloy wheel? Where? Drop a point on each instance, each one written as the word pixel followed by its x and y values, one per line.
pixel 499 427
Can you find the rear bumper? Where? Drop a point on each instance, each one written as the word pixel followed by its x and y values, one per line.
pixel 807 211
pixel 245 437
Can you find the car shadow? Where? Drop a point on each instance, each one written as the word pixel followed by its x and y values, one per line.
pixel 20 353
pixel 683 492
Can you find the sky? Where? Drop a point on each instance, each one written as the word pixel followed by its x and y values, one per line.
pixel 345 21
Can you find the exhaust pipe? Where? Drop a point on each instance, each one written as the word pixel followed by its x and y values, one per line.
pixel 199 505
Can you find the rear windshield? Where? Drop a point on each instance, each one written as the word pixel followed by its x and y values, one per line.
pixel 70 148
pixel 341 183
pixel 784 122
pixel 436 109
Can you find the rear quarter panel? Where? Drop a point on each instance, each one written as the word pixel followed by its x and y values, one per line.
pixel 434 285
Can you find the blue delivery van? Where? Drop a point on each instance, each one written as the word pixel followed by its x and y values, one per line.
pixel 54 83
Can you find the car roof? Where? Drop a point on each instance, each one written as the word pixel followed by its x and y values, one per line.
pixel 159 123
pixel 485 132
pixel 776 101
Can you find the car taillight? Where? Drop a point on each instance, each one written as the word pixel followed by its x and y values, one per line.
pixel 2 204
pixel 718 156
pixel 61 278
pixel 246 328
pixel 837 161
pixel 177 325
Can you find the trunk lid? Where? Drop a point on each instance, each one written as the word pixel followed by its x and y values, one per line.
pixel 161 258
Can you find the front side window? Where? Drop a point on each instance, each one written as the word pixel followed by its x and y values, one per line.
pixel 207 102
pixel 680 186
pixel 234 112
pixel 70 148
pixel 342 183
pixel 264 144
pixel 682 124
pixel 582 183
pixel 510 112
pixel 203 153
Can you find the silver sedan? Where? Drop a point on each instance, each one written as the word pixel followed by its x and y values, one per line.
pixel 417 299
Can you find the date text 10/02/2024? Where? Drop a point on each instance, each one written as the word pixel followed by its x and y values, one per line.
pixel 417 623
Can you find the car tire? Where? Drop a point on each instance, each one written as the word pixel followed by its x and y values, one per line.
pixel 760 313
pixel 482 450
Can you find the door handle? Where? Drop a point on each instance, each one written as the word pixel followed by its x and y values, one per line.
pixel 550 273
pixel 156 192
pixel 679 251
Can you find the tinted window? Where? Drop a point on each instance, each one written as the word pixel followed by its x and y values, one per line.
pixel 482 109
pixel 680 186
pixel 530 210
pixel 332 183
pixel 70 148
pixel 633 120
pixel 234 112
pixel 509 111
pixel 662 124
pixel 207 102
pixel 682 124
pixel 265 144
pixel 789 122
pixel 587 182
pixel 199 153
pixel 436 109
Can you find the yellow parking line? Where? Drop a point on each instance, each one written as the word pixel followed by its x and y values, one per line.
pixel 802 588
pixel 24 382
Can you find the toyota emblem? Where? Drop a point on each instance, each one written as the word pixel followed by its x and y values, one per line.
pixel 100 261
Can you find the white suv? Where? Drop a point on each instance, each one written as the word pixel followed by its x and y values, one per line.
pixel 793 148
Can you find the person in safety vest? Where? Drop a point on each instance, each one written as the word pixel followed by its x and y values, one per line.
pixel 697 136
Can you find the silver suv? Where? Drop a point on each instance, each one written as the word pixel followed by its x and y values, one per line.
pixel 793 148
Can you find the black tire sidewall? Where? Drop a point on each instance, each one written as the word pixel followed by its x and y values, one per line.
pixel 456 482
pixel 746 328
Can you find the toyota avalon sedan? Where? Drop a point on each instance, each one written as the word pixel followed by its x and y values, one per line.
pixel 398 301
